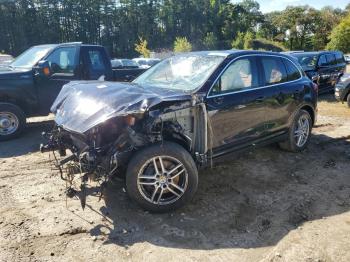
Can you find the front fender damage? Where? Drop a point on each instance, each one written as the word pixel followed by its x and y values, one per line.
pixel 103 152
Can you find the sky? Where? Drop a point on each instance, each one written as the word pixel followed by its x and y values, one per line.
pixel 278 5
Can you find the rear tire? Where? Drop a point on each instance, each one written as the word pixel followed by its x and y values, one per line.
pixel 299 133
pixel 12 121
pixel 162 177
pixel 348 100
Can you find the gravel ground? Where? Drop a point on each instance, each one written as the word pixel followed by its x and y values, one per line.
pixel 260 205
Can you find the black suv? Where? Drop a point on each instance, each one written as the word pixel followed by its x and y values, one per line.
pixel 177 116
pixel 324 68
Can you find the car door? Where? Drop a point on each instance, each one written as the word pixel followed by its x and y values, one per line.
pixel 277 89
pixel 63 63
pixel 333 69
pixel 324 72
pixel 236 106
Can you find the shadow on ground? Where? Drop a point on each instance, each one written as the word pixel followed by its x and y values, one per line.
pixel 247 200
pixel 28 142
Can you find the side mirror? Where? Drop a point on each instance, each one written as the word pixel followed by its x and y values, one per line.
pixel 44 68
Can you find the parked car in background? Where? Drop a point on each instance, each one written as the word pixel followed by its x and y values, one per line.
pixel 324 68
pixel 177 116
pixel 347 58
pixel 5 59
pixel 30 84
pixel 123 63
pixel 342 89
pixel 146 62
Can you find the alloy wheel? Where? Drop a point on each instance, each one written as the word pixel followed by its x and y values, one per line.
pixel 162 180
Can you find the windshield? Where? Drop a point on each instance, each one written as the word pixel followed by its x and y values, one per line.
pixel 30 57
pixel 185 72
pixel 306 61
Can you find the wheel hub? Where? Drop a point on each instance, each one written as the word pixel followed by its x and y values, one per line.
pixel 8 123
pixel 5 123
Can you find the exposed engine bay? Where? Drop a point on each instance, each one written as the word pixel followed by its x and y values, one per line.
pixel 100 125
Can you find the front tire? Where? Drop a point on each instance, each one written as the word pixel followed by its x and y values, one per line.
pixel 12 121
pixel 299 133
pixel 162 177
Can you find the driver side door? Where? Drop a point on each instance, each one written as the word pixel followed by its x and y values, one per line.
pixel 63 63
pixel 236 106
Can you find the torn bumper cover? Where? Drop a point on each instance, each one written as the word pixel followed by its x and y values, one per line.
pixel 101 125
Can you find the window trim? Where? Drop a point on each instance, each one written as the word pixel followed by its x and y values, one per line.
pixel 255 88
pixel 76 56
pixel 254 68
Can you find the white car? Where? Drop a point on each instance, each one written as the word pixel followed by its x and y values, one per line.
pixel 146 63
pixel 347 59
pixel 5 59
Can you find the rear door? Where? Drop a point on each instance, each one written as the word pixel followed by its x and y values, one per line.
pixel 278 91
pixel 63 62
pixel 236 106
pixel 333 68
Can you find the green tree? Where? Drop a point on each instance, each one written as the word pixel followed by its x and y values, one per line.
pixel 238 42
pixel 210 41
pixel 142 48
pixel 181 44
pixel 340 36
pixel 248 40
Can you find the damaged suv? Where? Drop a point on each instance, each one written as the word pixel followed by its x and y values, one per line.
pixel 176 117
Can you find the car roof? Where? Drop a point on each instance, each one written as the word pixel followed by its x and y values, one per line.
pixel 311 52
pixel 65 44
pixel 236 52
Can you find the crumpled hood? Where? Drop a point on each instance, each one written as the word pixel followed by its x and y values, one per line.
pixel 81 105
pixel 7 73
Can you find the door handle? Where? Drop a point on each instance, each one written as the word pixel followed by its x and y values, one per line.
pixel 218 100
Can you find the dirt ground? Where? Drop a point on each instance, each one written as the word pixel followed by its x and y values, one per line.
pixel 260 205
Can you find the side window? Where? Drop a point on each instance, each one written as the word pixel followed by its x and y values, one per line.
pixel 322 61
pixel 238 76
pixel 331 59
pixel 274 70
pixel 96 60
pixel 62 60
pixel 340 58
pixel 293 72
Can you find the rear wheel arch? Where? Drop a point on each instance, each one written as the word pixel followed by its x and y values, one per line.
pixel 20 104
pixel 311 112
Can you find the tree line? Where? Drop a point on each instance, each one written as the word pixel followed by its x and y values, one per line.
pixel 119 25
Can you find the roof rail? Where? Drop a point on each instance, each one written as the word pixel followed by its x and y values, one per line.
pixel 70 43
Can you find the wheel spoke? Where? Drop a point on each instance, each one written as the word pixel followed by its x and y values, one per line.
pixel 172 191
pixel 154 193
pixel 160 195
pixel 178 173
pixel 177 187
pixel 155 166
pixel 147 183
pixel 161 164
pixel 148 177
pixel 174 169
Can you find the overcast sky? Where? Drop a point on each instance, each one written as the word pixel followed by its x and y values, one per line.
pixel 278 5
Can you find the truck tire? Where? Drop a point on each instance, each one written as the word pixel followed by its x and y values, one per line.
pixel 299 133
pixel 162 177
pixel 12 121
pixel 348 100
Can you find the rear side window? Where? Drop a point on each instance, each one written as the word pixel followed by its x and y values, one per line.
pixel 340 58
pixel 331 59
pixel 322 61
pixel 96 60
pixel 274 70
pixel 293 72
